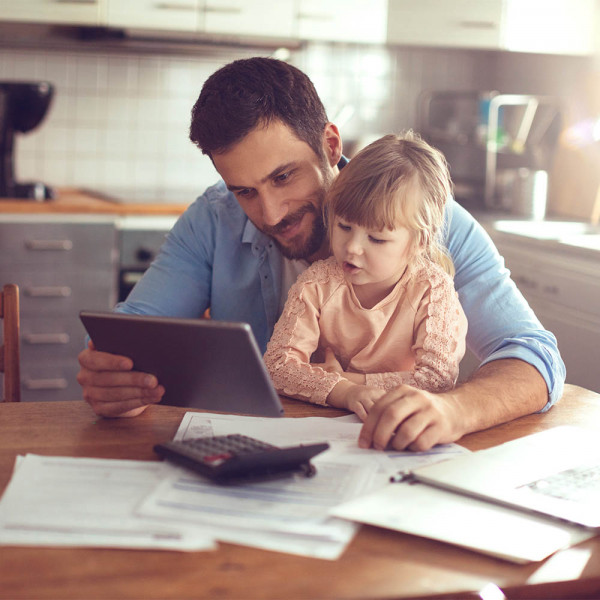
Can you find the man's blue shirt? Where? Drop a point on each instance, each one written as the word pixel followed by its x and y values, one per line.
pixel 215 258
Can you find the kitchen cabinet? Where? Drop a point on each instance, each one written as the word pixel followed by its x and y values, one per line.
pixel 563 290
pixel 343 20
pixel 173 15
pixel 460 23
pixel 542 26
pixel 257 18
pixel 62 265
pixel 68 12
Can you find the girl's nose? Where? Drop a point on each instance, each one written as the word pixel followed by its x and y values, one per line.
pixel 354 245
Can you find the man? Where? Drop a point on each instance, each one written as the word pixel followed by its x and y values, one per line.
pixel 239 247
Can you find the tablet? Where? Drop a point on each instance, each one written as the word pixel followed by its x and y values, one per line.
pixel 202 363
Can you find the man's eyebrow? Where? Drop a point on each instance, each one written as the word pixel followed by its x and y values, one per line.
pixel 274 173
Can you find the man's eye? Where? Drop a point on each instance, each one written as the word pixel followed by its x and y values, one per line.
pixel 244 193
pixel 283 177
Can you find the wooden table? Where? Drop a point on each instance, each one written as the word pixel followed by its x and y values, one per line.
pixel 377 564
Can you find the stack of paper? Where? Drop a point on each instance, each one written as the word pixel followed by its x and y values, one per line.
pixel 141 504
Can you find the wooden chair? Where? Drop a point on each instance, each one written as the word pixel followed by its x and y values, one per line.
pixel 9 351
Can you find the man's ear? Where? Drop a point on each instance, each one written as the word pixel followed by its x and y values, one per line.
pixel 332 144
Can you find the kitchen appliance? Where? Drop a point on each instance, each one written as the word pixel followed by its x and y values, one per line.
pixel 23 106
pixel 499 146
pixel 140 239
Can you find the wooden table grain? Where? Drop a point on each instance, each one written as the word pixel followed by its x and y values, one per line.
pixel 377 564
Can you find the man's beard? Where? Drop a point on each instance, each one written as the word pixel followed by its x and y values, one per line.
pixel 318 233
pixel 307 247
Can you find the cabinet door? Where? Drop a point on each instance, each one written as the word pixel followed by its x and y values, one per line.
pixel 75 12
pixel 174 15
pixel 550 26
pixel 577 337
pixel 261 18
pixel 460 23
pixel 342 20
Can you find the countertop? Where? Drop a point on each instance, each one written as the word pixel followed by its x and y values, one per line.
pixel 572 238
pixel 555 234
pixel 74 201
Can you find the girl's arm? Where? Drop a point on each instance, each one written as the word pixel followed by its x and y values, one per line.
pixel 294 339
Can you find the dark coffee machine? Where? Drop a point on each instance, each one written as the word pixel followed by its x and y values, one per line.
pixel 23 105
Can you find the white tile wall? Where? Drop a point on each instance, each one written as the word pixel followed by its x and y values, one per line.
pixel 121 120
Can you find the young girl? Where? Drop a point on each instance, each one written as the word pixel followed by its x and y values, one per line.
pixel 382 311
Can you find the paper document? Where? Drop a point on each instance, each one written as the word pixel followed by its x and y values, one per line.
pixel 285 515
pixel 61 501
pixel 58 501
pixel 475 524
pixel 296 506
pixel 341 433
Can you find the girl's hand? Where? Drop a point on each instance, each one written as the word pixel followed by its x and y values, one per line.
pixel 331 364
pixel 357 398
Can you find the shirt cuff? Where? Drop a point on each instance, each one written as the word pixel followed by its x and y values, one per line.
pixel 549 364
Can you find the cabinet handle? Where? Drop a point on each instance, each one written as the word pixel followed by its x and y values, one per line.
pixel 49 245
pixel 58 383
pixel 316 16
pixel 46 338
pixel 175 6
pixel 478 24
pixel 232 10
pixel 76 1
pixel 48 291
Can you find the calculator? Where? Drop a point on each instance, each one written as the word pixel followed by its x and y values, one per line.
pixel 239 458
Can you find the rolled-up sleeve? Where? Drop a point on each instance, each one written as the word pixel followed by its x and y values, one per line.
pixel 501 323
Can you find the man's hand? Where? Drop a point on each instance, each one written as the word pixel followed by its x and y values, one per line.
pixel 407 417
pixel 111 388
pixel 357 398
pixel 500 391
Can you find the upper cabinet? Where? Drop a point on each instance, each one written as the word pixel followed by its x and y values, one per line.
pixel 342 20
pixel 460 23
pixel 258 18
pixel 167 15
pixel 551 26
pixel 542 26
pixel 70 12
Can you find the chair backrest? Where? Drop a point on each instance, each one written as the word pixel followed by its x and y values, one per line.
pixel 10 351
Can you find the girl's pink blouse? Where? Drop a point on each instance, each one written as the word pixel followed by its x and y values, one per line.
pixel 416 335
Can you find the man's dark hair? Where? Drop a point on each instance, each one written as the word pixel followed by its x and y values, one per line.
pixel 246 93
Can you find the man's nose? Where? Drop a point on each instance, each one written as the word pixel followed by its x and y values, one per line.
pixel 273 208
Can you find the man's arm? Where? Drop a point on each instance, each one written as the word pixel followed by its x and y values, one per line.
pixel 521 371
pixel 501 323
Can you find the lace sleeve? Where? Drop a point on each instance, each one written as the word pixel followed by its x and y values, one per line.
pixel 295 338
pixel 439 341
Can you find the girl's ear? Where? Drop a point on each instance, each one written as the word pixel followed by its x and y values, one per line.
pixel 332 144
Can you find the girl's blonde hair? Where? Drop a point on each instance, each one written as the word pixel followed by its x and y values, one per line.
pixel 398 180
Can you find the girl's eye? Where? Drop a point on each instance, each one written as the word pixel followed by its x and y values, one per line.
pixel 376 240
pixel 343 227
